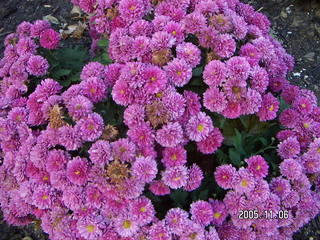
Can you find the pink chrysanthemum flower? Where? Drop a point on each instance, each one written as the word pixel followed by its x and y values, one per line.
pixel 195 176
pixel 126 226
pixel 144 169
pixel 175 104
pixel 155 78
pixel 92 69
pixel 311 163
pixel 259 79
pixel 289 148
pixel 123 150
pixel 56 160
pixel 238 67
pixel 194 22
pixel 100 152
pixel 79 107
pixel 214 100
pixel 244 181
pixel 142 210
pixel 224 45
pixel 159 188
pixel 190 53
pixel 257 166
pixel 134 115
pixel 37 66
pixel 43 197
pixel 140 28
pixel 269 107
pixel 142 135
pixel 122 94
pixel 224 176
pixel 18 115
pixel 174 156
pixel 219 211
pixel 94 89
pixel 159 231
pixel 26 46
pixel 94 196
pixel 69 138
pixel 179 72
pixel 199 127
pixel 131 10
pixel 303 104
pixel 210 144
pixel 90 128
pixel 162 40
pixel 38 27
pixel 261 192
pixel 176 30
pixel 280 186
pixel 214 73
pixel 170 135
pixel 49 39
pixel 175 220
pixel 192 102
pixel 175 177
pixel 201 212
pixel 90 227
pixel 291 169
pixel 232 110
pixel 251 53
pixel 289 118
pixel 77 170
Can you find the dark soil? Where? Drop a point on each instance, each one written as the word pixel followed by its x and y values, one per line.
pixel 295 23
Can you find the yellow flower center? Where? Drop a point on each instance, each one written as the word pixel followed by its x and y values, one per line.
pixel 45 178
pixel 179 73
pixel 271 108
pixel 193 236
pixel 177 179
pixel 159 94
pixel 258 167
pixel 303 105
pixel 45 197
pixel 217 215
pixel 127 224
pixel 92 90
pixel 174 157
pixel 122 91
pixel 90 228
pixel 306 125
pixel 91 127
pixel 153 79
pixel 318 150
pixel 77 172
pixel 244 183
pixel 143 209
pixel 200 127
pixel 132 8
pixel 174 33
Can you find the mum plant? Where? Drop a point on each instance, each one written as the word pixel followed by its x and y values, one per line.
pixel 182 126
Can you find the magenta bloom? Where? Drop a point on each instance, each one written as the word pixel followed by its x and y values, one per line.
pixel 244 181
pixel 238 68
pixel 195 176
pixel 38 27
pixel 37 66
pixel 94 89
pixel 77 170
pixel 224 176
pixel 199 127
pixel 159 188
pixel 257 166
pixel 90 228
pixel 69 138
pixel 100 152
pixel 92 69
pixel 175 177
pixel 289 118
pixel 170 135
pixel 142 135
pixel 126 226
pixel 123 149
pixel 131 10
pixel 190 53
pixel 179 72
pixel 56 160
pixel 122 94
pixel 175 219
pixel 79 107
pixel 291 169
pixel 49 39
pixel 145 169
pixel 232 110
pixel 289 148
pixel 210 144
pixel 214 73
pixel 201 212
pixel 134 115
pixel 90 128
pixel 219 212
pixel 174 156
pixel 159 231
pixel 303 104
pixel 43 197
pixel 269 107
pixel 224 46
pixel 215 100
pixel 280 186
pixel 142 210
pixel 155 78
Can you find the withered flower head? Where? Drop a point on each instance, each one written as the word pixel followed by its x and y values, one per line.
pixel 117 172
pixel 112 13
pixel 161 57
pixel 157 113
pixel 110 133
pixel 56 117
pixel 211 56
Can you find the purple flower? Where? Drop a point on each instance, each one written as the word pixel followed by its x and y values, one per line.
pixel 199 127
pixel 90 128
pixel 77 170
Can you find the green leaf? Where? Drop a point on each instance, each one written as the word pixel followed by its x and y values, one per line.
pixel 103 43
pixel 235 157
pixel 61 72
pixel 203 195
pixel 179 196
pixel 197 72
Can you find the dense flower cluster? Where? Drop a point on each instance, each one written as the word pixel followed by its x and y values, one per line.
pixel 61 166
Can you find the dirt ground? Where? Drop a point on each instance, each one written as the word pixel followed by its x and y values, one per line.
pixel 295 23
